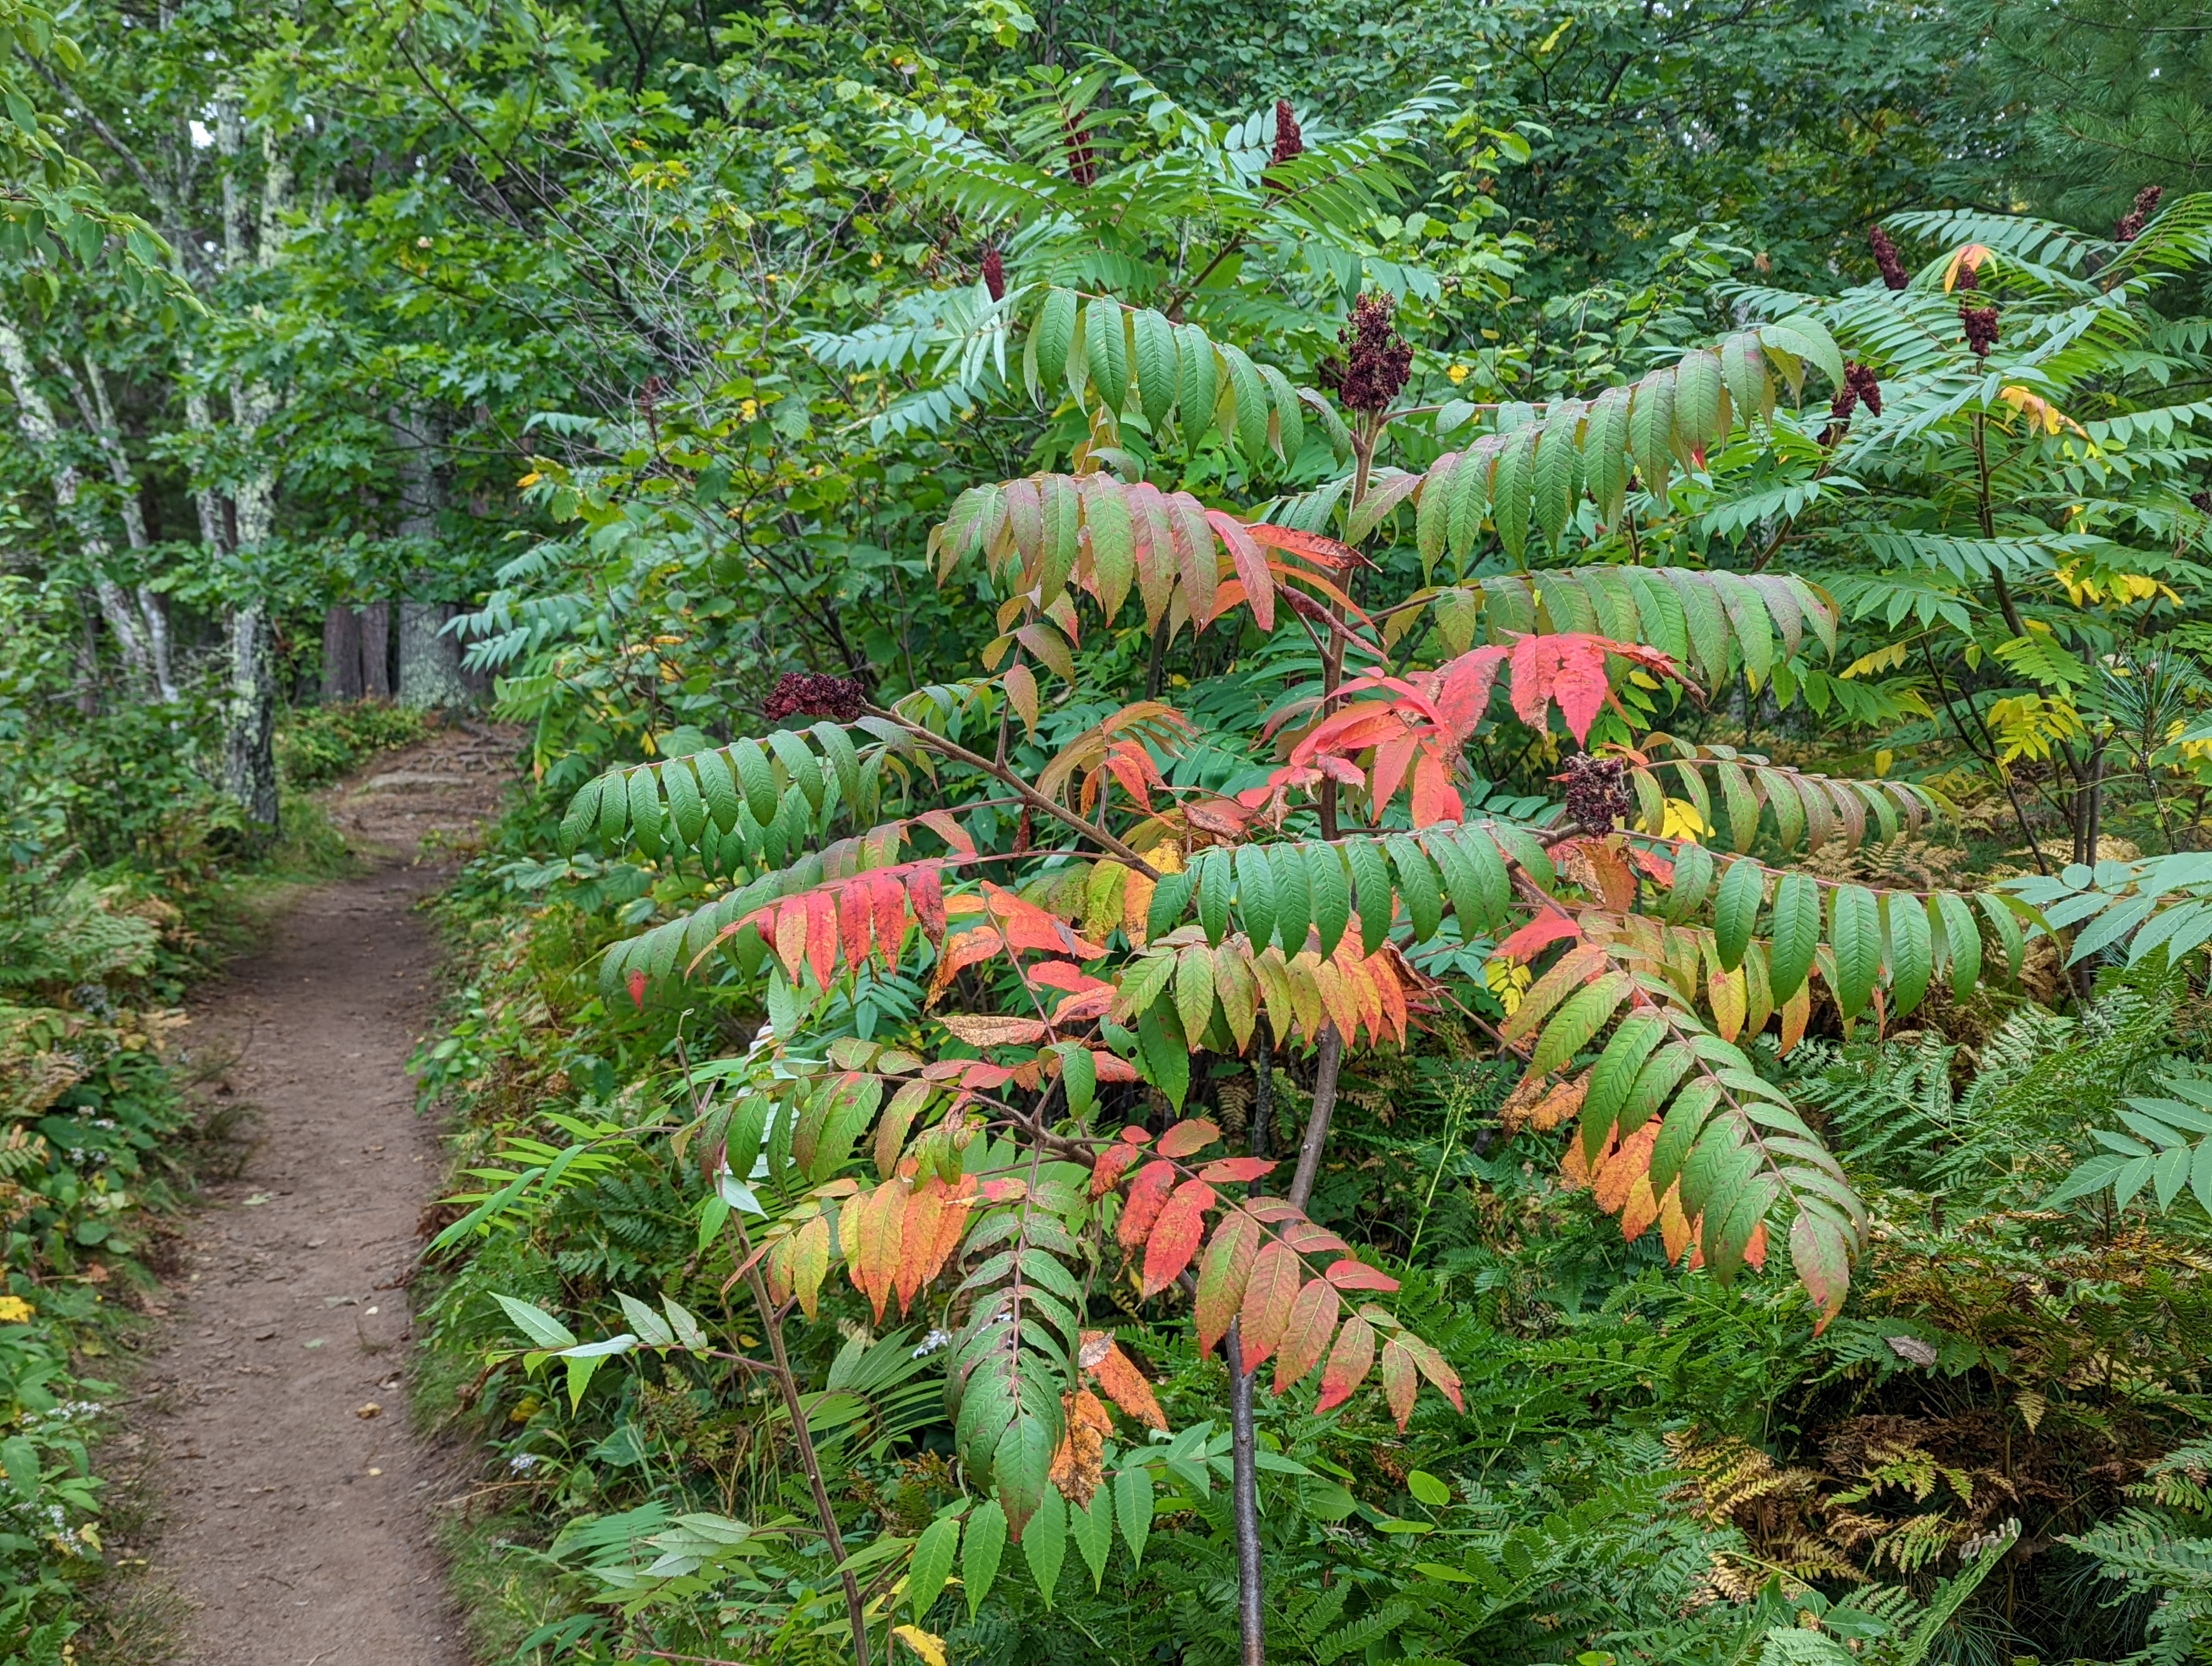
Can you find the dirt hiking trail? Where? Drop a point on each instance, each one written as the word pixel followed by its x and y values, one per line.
pixel 296 1504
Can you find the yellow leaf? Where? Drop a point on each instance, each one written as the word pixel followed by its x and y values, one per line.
pixel 2039 412
pixel 530 479
pixel 929 1647
pixel 14 1311
pixel 1508 981
pixel 1682 821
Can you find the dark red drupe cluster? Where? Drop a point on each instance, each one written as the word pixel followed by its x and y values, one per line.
pixel 995 274
pixel 1376 363
pixel 1860 379
pixel 2133 222
pixel 811 694
pixel 1082 161
pixel 1980 324
pixel 1885 257
pixel 1289 142
pixel 1598 798
pixel 1860 388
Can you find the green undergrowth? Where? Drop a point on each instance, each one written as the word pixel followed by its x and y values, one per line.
pixel 1991 1455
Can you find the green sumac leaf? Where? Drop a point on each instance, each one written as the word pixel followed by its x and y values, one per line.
pixel 1169 899
pixel 1953 919
pixel 933 1553
pixel 583 816
pixel 1736 911
pixel 1045 361
pixel 1370 878
pixel 1693 878
pixel 1614 1074
pixel 1330 893
pixel 1417 885
pixel 1293 897
pixel 1582 1015
pixel 1044 1541
pixel 1796 934
pixel 2006 929
pixel 1855 933
pixel 1912 953
pixel 1132 1508
pixel 979 1556
pixel 1256 893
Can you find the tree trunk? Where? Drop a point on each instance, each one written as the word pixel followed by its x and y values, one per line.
pixel 249 725
pixel 429 657
pixel 250 720
pixel 342 668
pixel 34 416
pixel 376 650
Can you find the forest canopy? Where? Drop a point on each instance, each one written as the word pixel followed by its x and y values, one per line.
pixel 1396 810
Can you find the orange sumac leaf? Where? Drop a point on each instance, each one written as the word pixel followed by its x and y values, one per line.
pixel 1222 1275
pixel 881 1235
pixel 925 1209
pixel 1313 1322
pixel 1630 1164
pixel 1125 1385
pixel 1186 1137
pixel 1349 1362
pixel 1177 1235
pixel 1269 1296
pixel 1148 1193
pixel 1076 1465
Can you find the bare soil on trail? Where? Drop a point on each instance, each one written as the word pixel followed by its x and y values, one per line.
pixel 295 1502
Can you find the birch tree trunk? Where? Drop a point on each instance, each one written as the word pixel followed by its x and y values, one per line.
pixel 99 413
pixel 34 416
pixel 249 717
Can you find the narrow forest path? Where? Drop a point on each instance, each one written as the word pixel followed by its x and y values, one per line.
pixel 296 1503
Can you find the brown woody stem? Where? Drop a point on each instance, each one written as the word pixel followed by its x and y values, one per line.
pixel 1328 1063
pixel 856 1613
pixel 1028 794
pixel 1244 1502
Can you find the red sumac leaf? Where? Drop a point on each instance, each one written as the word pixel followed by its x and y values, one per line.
pixel 1349 1274
pixel 637 987
pixel 1236 1168
pixel 1148 1192
pixel 1400 1380
pixel 1116 1160
pixel 926 891
pixel 1431 1366
pixel 1313 1322
pixel 1222 1275
pixel 1820 1257
pixel 1177 1235
pixel 1184 1138
pixel 1349 1362
pixel 1269 1296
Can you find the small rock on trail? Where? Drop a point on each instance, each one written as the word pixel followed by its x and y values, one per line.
pixel 298 1504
